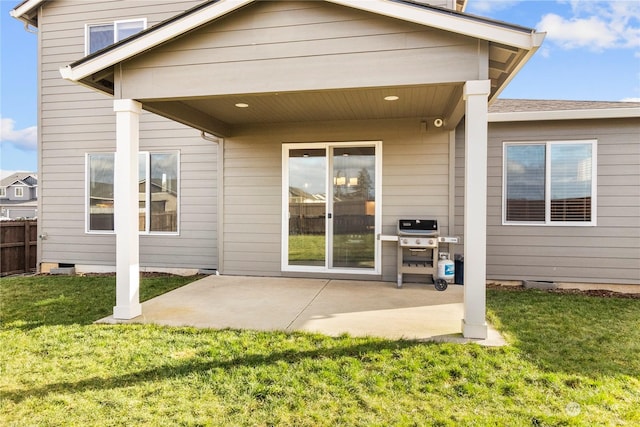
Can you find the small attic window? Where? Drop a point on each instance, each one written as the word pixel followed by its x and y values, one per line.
pixel 99 36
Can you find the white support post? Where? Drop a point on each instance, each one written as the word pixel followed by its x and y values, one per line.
pixel 474 324
pixel 126 209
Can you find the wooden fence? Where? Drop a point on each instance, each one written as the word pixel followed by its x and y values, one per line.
pixel 18 247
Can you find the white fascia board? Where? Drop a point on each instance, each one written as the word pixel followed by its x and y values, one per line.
pixel 538 39
pixel 151 39
pixel 25 7
pixel 529 116
pixel 448 22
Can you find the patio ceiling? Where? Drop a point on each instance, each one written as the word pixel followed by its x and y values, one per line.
pixel 427 101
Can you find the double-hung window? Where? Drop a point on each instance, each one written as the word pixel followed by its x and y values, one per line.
pixel 550 183
pixel 3 191
pixel 19 192
pixel 99 36
pixel 158 195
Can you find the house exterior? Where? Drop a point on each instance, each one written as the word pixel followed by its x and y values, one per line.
pixel 288 138
pixel 19 196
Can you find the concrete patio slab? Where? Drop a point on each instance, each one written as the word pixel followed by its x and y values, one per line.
pixel 332 307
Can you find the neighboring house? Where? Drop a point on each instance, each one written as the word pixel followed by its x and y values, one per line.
pixel 284 131
pixel 19 196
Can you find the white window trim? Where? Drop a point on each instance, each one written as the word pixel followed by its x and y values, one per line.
pixel 87 195
pixel 17 190
pixel 115 32
pixel 547 182
pixel 146 231
pixel 3 191
pixel 377 270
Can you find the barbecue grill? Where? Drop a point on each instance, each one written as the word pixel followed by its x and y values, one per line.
pixel 418 241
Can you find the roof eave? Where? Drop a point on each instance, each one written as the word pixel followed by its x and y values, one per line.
pixel 153 37
pixel 27 12
pixel 536 42
pixel 448 20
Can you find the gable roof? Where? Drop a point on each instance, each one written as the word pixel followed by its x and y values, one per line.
pixel 20 178
pixel 511 47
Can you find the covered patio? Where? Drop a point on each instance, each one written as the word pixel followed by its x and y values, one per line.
pixel 441 67
pixel 331 307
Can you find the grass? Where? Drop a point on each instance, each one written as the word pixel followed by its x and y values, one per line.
pixel 28 302
pixel 349 250
pixel 573 361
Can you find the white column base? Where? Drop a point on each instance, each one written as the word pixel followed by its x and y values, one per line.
pixel 127 312
pixel 475 331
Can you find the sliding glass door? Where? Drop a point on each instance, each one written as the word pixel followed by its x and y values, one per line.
pixel 307 204
pixel 331 200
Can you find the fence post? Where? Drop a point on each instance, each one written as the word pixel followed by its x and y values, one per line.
pixel 27 246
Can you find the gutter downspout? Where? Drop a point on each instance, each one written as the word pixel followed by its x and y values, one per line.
pixel 452 184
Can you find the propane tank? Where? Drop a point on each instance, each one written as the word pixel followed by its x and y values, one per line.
pixel 446 267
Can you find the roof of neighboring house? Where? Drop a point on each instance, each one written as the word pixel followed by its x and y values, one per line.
pixel 20 178
pixel 507 110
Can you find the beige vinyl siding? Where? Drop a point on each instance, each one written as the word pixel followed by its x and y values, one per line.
pixel 291 46
pixel 606 253
pixel 414 184
pixel 75 120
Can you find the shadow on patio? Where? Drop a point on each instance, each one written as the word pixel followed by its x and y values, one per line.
pixel 331 307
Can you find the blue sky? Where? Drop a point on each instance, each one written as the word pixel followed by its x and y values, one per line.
pixel 591 52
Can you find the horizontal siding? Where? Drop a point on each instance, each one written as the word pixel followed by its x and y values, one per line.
pixel 290 46
pixel 253 196
pixel 607 253
pixel 76 120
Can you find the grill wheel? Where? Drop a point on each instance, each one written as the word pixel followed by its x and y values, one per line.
pixel 440 284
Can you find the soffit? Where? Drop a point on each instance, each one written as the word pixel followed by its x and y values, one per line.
pixel 428 101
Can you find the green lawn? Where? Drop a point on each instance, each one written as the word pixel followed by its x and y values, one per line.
pixel 573 361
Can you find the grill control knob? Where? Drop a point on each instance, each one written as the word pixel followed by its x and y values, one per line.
pixel 405 241
pixel 431 241
pixel 417 241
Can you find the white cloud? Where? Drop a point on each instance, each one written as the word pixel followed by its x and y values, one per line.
pixel 23 139
pixel 630 100
pixel 595 25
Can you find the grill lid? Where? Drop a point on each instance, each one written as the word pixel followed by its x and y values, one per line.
pixel 423 227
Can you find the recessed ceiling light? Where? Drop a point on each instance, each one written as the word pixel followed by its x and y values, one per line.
pixel 242 105
pixel 391 98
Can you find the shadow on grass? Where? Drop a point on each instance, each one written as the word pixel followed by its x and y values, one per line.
pixel 573 334
pixel 184 369
pixel 30 302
